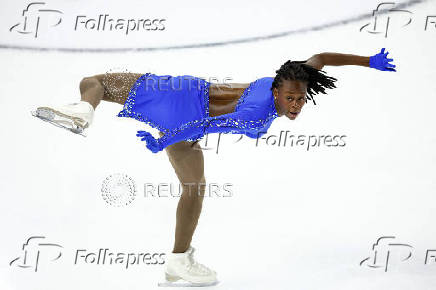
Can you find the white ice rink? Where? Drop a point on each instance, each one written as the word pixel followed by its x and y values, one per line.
pixel 296 218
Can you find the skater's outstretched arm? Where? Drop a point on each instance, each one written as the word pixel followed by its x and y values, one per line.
pixel 336 59
pixel 378 61
pixel 315 61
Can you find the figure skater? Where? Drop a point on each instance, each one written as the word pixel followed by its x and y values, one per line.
pixel 184 109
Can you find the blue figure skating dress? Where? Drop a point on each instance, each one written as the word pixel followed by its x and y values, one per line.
pixel 178 106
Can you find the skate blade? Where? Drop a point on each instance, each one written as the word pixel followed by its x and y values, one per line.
pixel 185 284
pixel 52 113
pixel 48 116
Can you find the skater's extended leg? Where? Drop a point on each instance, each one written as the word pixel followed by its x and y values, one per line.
pixel 111 87
pixel 91 91
pixel 188 163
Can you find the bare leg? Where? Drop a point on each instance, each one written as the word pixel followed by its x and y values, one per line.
pixel 111 87
pixel 188 163
pixel 185 157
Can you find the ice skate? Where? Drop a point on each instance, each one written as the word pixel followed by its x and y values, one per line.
pixel 75 117
pixel 183 271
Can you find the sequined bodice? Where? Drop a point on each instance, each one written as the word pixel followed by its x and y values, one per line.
pixel 253 115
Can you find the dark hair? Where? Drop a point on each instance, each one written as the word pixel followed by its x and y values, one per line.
pixel 297 70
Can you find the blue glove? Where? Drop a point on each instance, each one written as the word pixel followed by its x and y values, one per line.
pixel 380 62
pixel 152 143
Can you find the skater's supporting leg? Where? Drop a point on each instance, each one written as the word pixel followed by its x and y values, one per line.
pixel 111 87
pixel 188 163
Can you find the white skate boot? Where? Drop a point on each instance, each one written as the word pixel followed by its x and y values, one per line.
pixel 182 266
pixel 74 117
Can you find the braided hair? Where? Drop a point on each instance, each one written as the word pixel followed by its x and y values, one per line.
pixel 297 70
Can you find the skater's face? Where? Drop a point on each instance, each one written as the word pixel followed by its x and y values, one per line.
pixel 290 98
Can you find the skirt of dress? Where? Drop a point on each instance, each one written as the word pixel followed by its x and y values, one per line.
pixel 167 102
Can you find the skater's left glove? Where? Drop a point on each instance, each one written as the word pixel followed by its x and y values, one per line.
pixel 381 62
pixel 151 143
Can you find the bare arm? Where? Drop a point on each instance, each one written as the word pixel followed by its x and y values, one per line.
pixel 319 60
pixel 223 97
pixel 331 58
